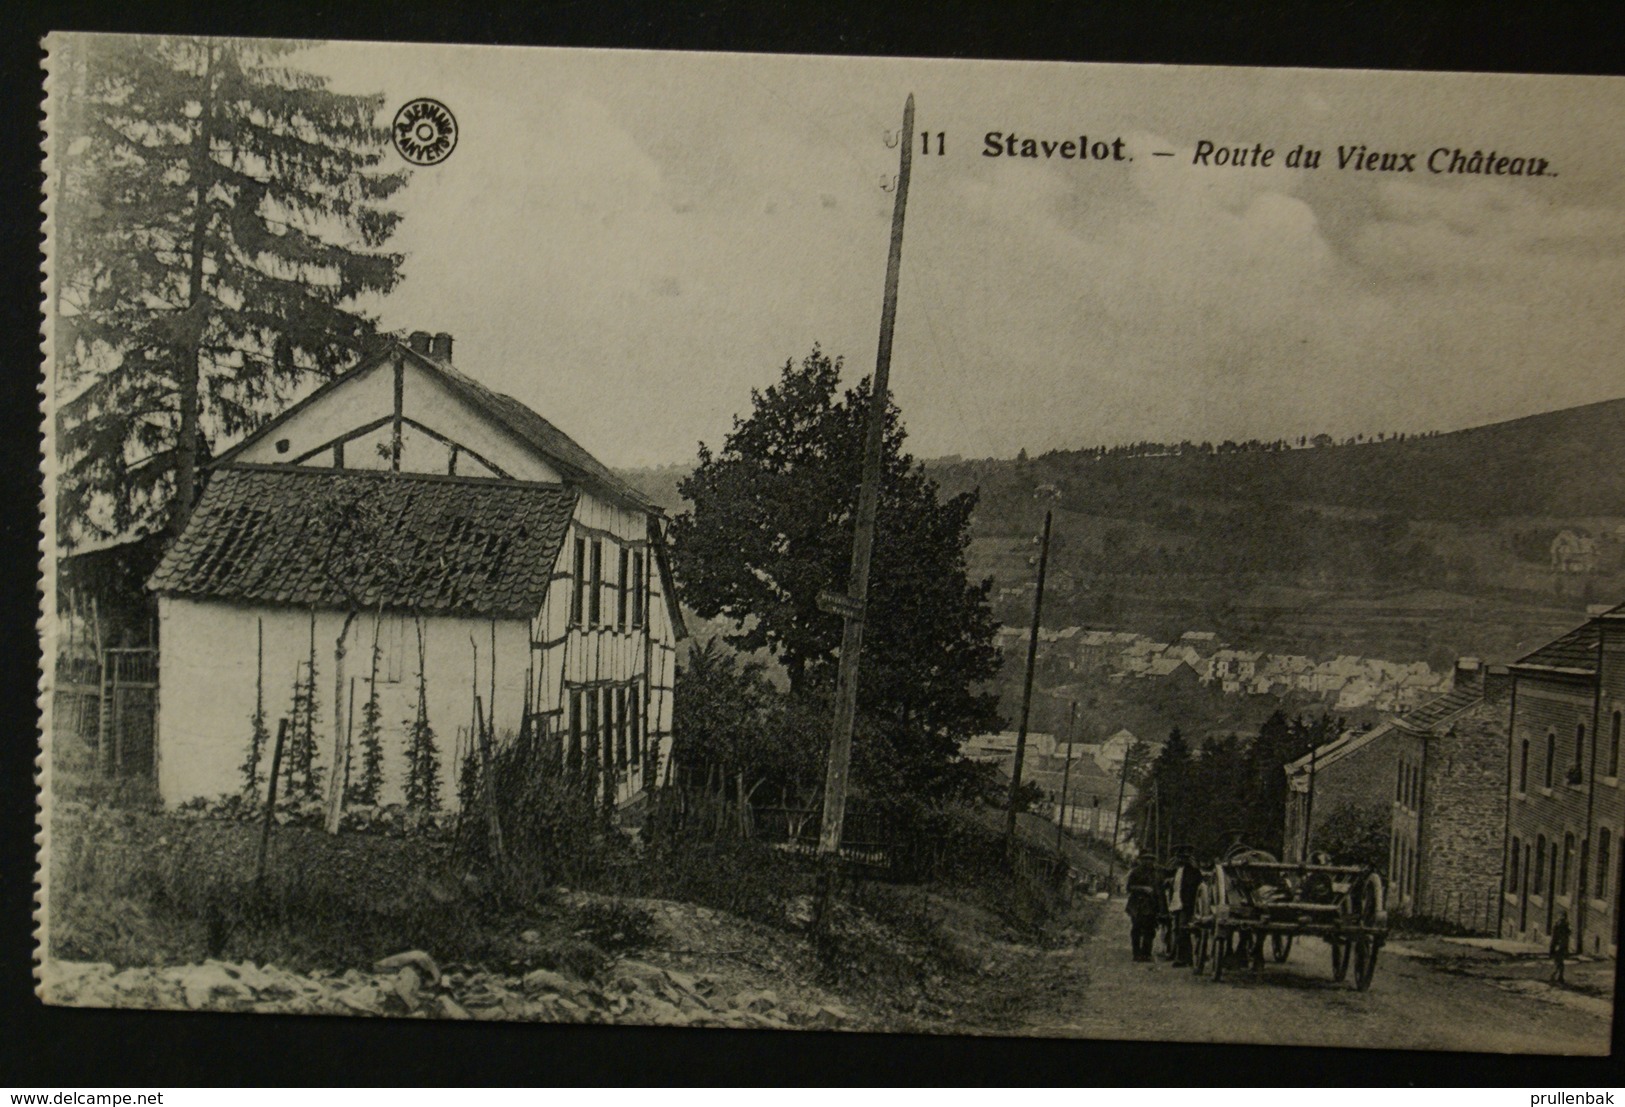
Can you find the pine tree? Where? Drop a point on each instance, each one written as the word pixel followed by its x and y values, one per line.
pixel 219 212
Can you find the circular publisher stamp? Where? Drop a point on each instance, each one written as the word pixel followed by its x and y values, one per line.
pixel 425 131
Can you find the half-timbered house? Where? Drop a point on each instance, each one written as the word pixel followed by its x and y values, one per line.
pixel 509 581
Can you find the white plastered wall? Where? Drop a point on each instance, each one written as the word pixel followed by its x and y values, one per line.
pixel 210 655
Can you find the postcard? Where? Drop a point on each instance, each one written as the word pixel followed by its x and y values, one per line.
pixel 840 544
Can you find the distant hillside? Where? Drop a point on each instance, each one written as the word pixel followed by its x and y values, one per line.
pixel 1411 548
pixel 1556 464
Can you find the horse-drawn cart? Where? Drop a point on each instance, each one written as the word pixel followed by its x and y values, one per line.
pixel 1249 897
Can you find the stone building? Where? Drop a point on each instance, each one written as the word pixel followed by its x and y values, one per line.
pixel 1563 800
pixel 1378 771
pixel 1448 814
pixel 1355 769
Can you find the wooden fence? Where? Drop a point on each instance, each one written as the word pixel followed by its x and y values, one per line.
pixel 111 701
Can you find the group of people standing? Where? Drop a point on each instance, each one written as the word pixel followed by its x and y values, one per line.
pixel 1165 893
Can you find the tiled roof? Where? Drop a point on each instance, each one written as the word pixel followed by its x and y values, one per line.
pixel 436 544
pixel 1575 650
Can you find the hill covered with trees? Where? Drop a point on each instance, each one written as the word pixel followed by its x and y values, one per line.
pixel 1399 546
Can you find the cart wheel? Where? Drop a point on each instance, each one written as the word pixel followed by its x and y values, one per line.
pixel 1221 950
pixel 1365 961
pixel 1280 947
pixel 1340 959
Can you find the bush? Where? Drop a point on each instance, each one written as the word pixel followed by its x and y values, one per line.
pixel 553 824
pixel 1355 834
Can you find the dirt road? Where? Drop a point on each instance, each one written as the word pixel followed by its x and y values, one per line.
pixel 1417 1001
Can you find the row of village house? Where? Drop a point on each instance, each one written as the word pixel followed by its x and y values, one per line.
pixel 1080 784
pixel 1503 796
pixel 1345 682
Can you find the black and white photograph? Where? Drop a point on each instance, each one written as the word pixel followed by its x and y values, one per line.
pixel 832 544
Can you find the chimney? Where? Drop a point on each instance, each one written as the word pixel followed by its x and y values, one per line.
pixel 1469 673
pixel 440 346
pixel 418 341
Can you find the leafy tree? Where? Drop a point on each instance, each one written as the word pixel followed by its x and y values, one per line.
pixel 771 527
pixel 219 212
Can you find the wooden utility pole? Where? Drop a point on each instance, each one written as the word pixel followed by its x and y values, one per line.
pixel 1122 786
pixel 270 803
pixel 1309 805
pixel 852 605
pixel 1027 689
pixel 1066 773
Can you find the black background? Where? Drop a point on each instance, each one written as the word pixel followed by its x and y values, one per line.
pixel 48 1049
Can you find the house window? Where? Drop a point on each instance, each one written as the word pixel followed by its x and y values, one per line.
pixel 634 733
pixel 1603 860
pixel 1575 775
pixel 638 602
pixel 622 585
pixel 609 730
pixel 572 757
pixel 1523 768
pixel 1613 748
pixel 1540 859
pixel 621 723
pixel 595 585
pixel 1568 860
pixel 1512 868
pixel 578 592
pixel 590 729
pixel 1551 755
pixel 1399 784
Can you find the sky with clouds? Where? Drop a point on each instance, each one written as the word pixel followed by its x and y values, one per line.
pixel 629 242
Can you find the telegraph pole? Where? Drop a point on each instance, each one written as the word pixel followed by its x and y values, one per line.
pixel 1027 689
pixel 852 605
pixel 1122 786
pixel 1309 805
pixel 1066 774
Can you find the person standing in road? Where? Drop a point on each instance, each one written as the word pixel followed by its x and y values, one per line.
pixel 1182 902
pixel 1142 908
pixel 1560 946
